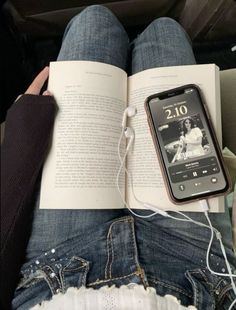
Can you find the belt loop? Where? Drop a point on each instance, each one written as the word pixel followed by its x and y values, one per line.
pixel 52 279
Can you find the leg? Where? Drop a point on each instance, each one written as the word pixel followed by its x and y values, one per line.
pixel 95 35
pixel 170 249
pixel 165 43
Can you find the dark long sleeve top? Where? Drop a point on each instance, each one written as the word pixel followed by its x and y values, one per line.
pixel 28 130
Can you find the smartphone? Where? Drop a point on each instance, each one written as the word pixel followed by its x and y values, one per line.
pixel 189 154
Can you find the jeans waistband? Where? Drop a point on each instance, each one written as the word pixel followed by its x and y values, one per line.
pixel 110 251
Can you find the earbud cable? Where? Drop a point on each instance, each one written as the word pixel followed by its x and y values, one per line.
pixel 204 207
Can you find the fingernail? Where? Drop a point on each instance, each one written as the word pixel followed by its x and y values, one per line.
pixel 18 98
pixel 47 93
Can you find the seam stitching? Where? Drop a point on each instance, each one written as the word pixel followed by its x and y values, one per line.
pixel 112 279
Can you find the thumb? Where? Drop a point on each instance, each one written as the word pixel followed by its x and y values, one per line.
pixel 47 93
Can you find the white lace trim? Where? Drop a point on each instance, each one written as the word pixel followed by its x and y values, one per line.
pixel 132 296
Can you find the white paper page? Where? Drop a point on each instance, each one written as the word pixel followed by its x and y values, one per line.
pixel 81 168
pixel 148 182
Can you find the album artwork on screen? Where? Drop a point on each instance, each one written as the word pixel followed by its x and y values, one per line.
pixel 185 138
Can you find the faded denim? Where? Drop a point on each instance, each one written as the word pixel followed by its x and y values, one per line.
pixel 105 247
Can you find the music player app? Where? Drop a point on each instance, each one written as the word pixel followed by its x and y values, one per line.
pixel 187 147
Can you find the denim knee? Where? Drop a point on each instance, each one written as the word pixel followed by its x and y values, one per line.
pixel 95 35
pixel 166 21
pixel 166 26
pixel 92 13
pixel 163 43
pixel 97 9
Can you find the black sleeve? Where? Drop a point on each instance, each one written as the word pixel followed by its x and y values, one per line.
pixel 28 128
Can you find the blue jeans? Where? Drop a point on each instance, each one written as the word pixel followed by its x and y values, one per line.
pixel 104 247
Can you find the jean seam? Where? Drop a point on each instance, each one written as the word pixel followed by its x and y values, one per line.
pixel 62 278
pixel 135 246
pixel 84 262
pixel 85 265
pixel 110 256
pixel 211 290
pixel 112 279
pixel 223 292
pixel 27 282
pixel 195 289
pixel 214 288
pixel 170 286
pixel 85 274
pixel 201 272
pixel 53 291
pixel 109 246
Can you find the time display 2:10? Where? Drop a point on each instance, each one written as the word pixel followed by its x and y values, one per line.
pixel 177 111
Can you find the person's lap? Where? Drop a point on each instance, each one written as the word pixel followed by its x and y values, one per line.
pixel 97 35
pixel 93 35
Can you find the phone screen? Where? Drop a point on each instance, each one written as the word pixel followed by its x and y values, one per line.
pixel 189 152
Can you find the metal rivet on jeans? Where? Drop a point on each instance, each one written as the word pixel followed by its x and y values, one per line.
pixel 223 269
pixel 58 290
pixel 53 250
pixel 37 262
pixel 52 275
pixel 217 292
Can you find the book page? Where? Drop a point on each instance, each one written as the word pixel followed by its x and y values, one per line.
pixel 142 161
pixel 81 168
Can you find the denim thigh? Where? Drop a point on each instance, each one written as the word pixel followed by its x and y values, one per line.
pixel 154 252
pixel 165 43
pixel 94 35
pixel 173 255
pixel 94 248
pixel 104 255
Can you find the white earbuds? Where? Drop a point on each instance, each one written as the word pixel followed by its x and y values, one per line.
pixel 129 133
pixel 130 112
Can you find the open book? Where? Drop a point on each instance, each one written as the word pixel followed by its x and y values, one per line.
pixel 81 167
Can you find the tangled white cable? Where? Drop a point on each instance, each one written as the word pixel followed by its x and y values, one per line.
pixel 129 133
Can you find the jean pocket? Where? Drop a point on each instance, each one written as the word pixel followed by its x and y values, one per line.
pixel 210 291
pixel 45 278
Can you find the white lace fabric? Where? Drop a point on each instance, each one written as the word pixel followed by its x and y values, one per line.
pixel 132 296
